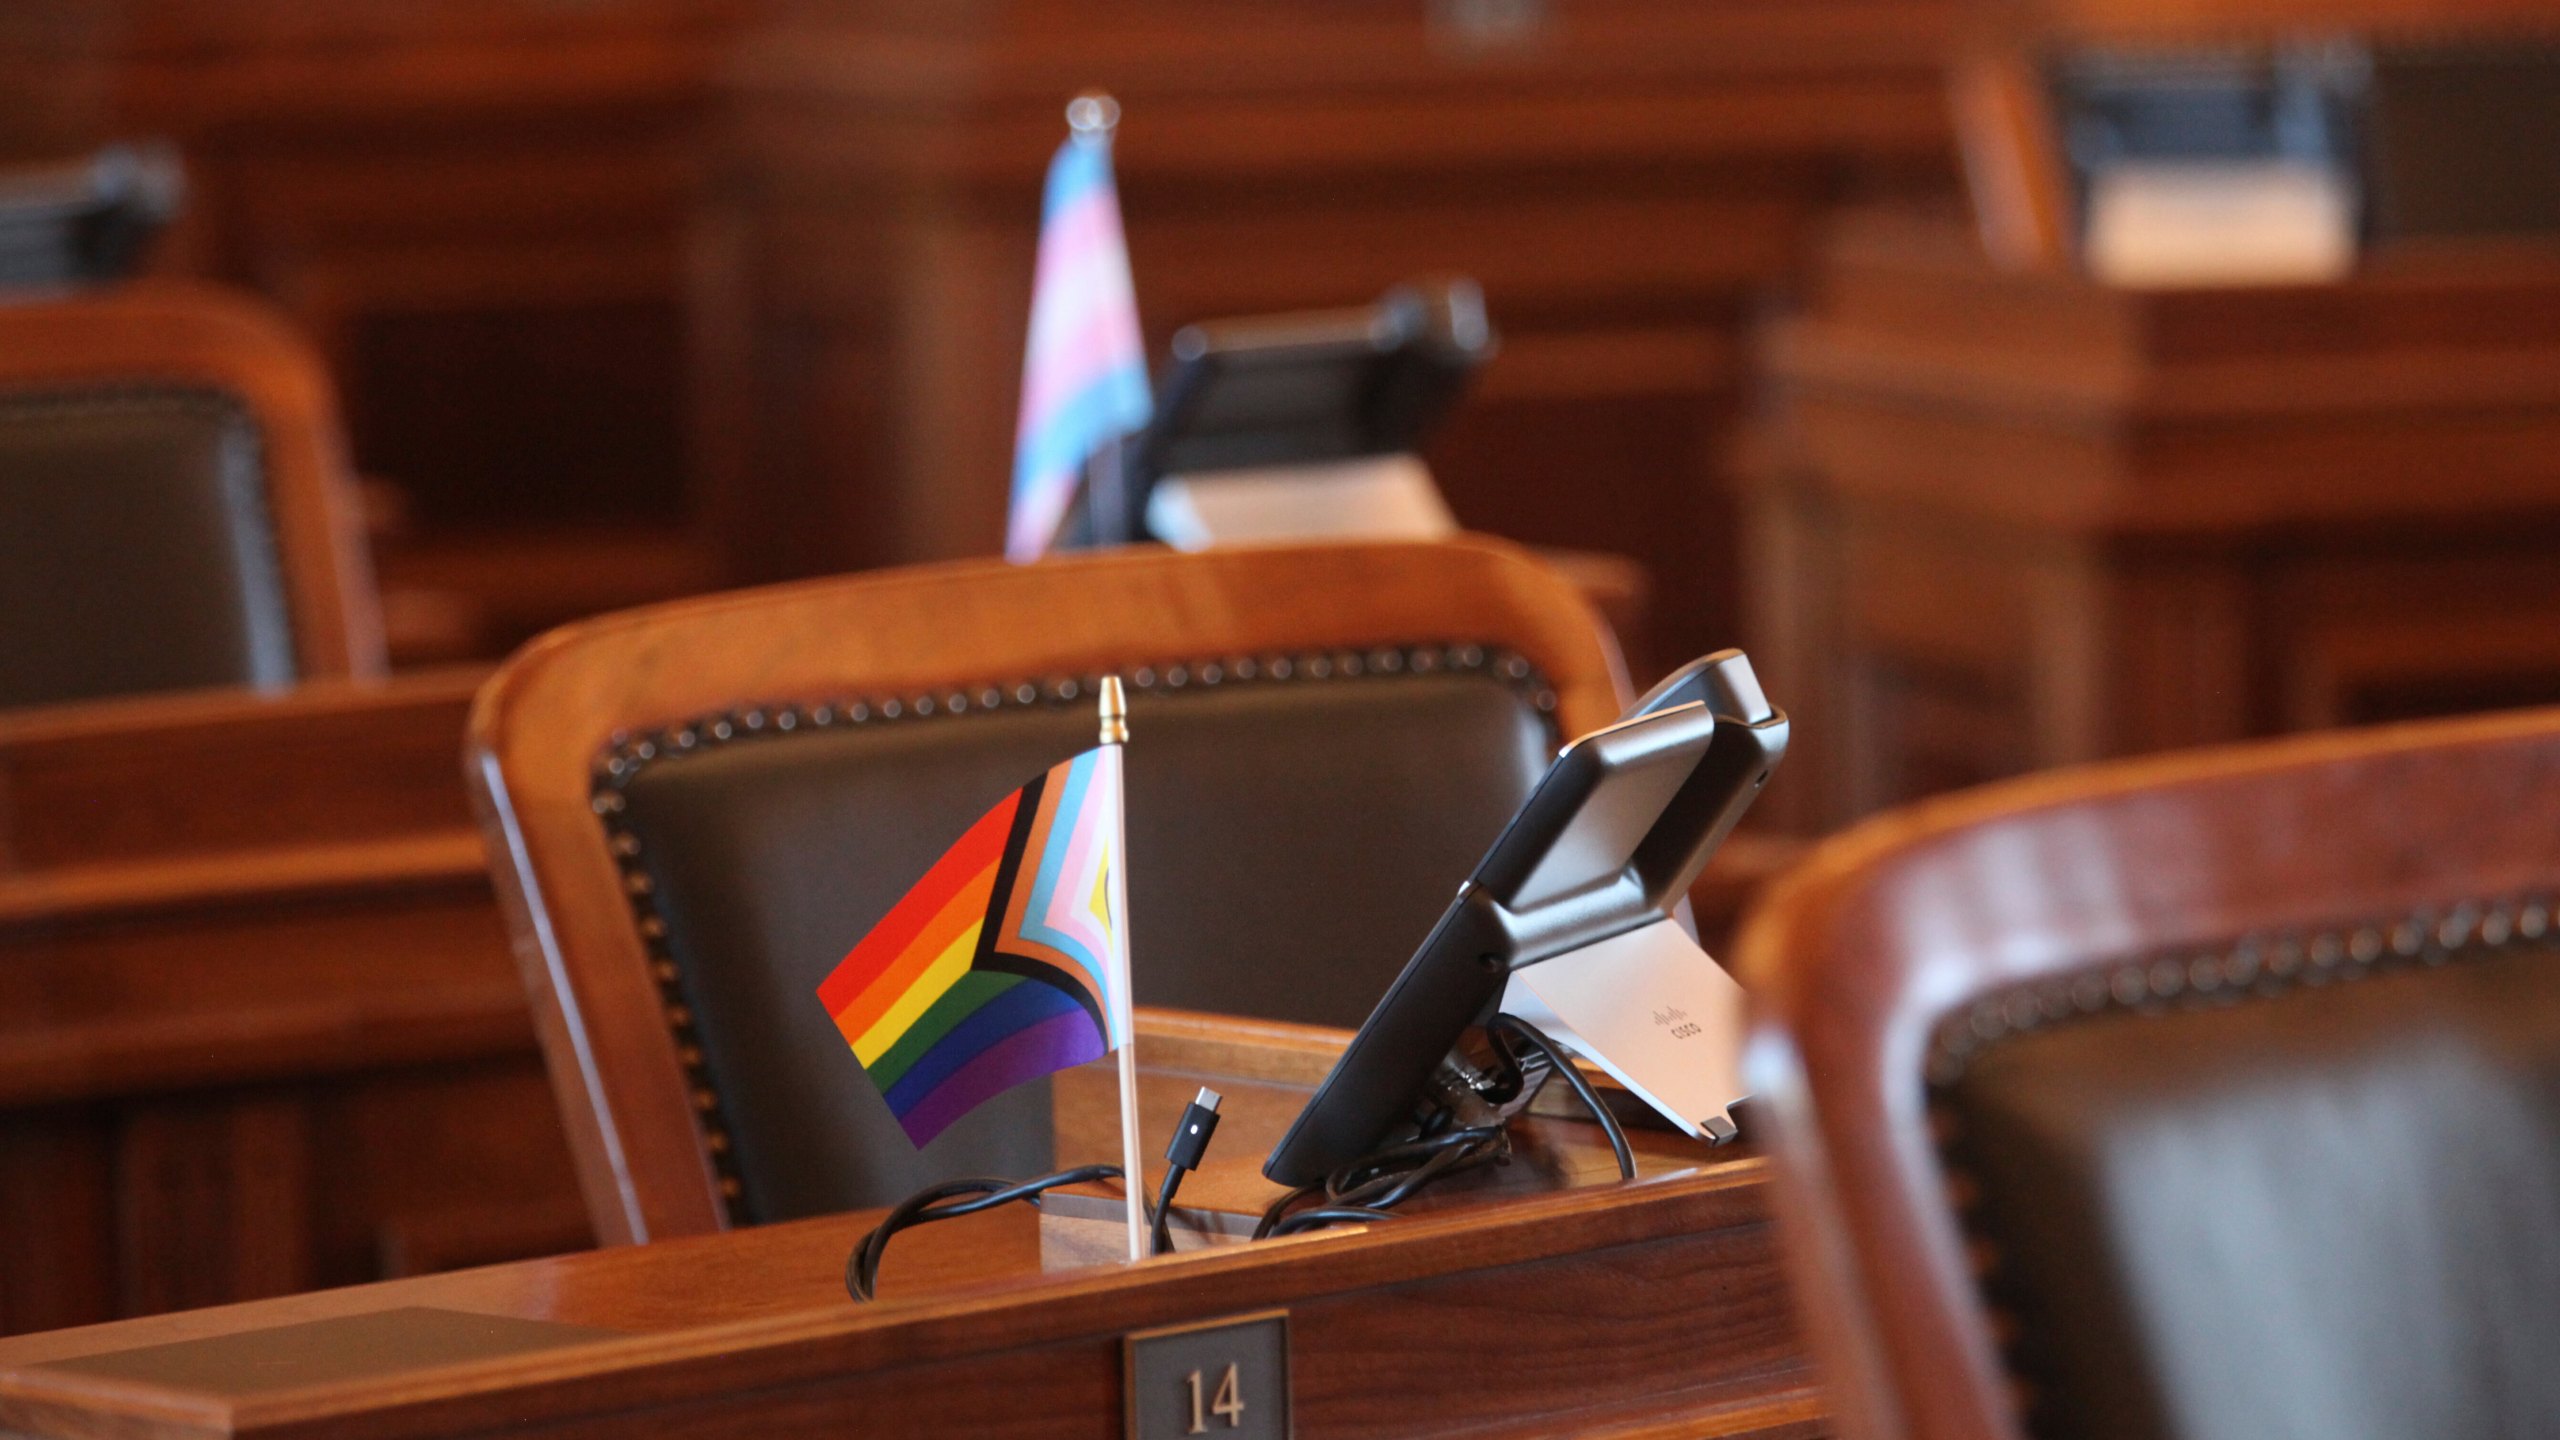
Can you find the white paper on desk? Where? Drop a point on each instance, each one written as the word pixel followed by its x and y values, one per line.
pixel 1374 497
pixel 2167 225
pixel 1653 1010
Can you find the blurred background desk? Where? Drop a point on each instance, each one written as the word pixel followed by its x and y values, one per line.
pixel 1622 176
pixel 478 212
pixel 1649 1309
pixel 631 299
pixel 2016 519
pixel 259 1029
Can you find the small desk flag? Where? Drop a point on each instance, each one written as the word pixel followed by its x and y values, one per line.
pixel 1007 961
pixel 1084 371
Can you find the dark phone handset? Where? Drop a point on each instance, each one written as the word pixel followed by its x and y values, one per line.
pixel 1460 971
pixel 1751 737
pixel 1723 682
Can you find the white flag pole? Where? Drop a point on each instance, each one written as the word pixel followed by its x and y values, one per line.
pixel 1115 734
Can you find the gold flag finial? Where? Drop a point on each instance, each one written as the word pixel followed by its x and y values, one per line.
pixel 1115 712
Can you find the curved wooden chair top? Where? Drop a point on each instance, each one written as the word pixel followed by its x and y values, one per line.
pixel 188 336
pixel 544 724
pixel 1861 959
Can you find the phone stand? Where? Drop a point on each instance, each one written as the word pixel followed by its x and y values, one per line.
pixel 1654 1011
pixel 1569 918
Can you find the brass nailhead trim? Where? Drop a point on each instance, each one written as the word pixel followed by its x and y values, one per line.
pixel 2261 964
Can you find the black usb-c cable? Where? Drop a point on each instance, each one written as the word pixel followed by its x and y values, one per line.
pixel 1190 1145
pixel 955 1198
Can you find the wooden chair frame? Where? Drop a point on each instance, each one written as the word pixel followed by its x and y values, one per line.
pixel 543 725
pixel 188 336
pixel 2353 841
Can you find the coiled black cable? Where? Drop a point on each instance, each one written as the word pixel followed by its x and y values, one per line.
pixel 1512 1027
pixel 955 1198
pixel 1370 1187
pixel 946 1202
pixel 1366 1189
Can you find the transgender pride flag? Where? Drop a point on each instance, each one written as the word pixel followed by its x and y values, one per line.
pixel 1084 373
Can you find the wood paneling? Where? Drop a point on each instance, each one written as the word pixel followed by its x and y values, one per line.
pixel 2012 520
pixel 258 1027
pixel 1623 177
pixel 475 209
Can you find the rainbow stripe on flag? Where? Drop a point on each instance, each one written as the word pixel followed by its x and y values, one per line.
pixel 1084 371
pixel 1000 965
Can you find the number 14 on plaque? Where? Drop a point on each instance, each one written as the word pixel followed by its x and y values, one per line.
pixel 1226 1378
pixel 1227 1404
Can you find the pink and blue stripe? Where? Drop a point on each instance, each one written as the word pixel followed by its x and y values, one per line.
pixel 1084 371
pixel 1059 913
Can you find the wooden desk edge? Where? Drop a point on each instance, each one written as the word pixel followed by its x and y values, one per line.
pixel 605 1377
pixel 159 885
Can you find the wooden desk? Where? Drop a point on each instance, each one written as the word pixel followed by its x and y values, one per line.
pixel 259 1029
pixel 2017 519
pixel 1652 1309
pixel 1621 175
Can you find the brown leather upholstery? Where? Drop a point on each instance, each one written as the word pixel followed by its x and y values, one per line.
pixel 1290 840
pixel 136 553
pixel 2206 1097
pixel 701 807
pixel 2330 1211
pixel 175 507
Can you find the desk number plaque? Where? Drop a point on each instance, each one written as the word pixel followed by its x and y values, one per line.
pixel 1227 1379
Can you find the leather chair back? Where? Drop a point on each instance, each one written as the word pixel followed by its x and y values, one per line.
pixel 1321 748
pixel 173 507
pixel 2207 1097
pixel 1293 832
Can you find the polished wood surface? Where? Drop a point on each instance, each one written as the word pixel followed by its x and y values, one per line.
pixel 1624 177
pixel 258 1029
pixel 477 211
pixel 204 337
pixel 543 721
pixel 1860 953
pixel 1648 1309
pixel 2013 520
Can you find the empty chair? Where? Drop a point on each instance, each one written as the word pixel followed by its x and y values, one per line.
pixel 699 808
pixel 2211 1097
pixel 175 510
